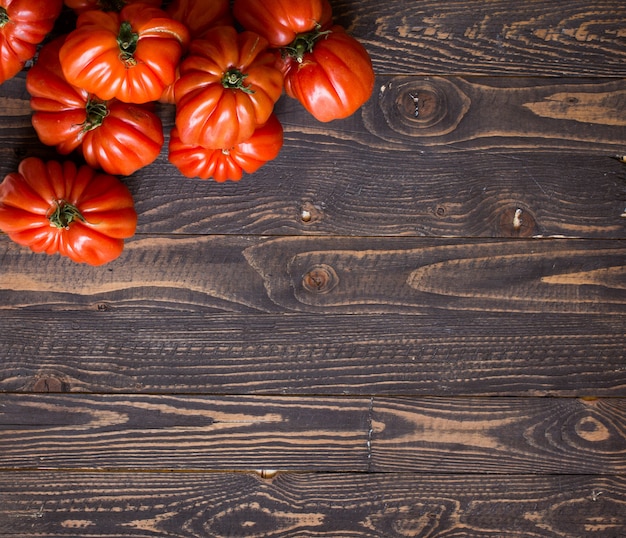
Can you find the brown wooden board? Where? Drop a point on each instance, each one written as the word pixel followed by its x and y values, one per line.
pixel 498 435
pixel 59 505
pixel 103 348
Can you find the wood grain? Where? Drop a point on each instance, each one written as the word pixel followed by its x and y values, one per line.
pixel 350 275
pixel 557 38
pixel 109 349
pixel 292 504
pixel 479 150
pixel 428 435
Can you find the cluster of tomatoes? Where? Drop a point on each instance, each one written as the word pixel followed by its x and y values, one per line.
pixel 94 90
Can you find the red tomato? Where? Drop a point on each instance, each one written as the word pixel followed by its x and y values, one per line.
pixel 227 88
pixel 200 15
pixel 331 75
pixel 228 164
pixel 56 207
pixel 280 21
pixel 80 6
pixel 118 137
pixel 131 55
pixel 23 25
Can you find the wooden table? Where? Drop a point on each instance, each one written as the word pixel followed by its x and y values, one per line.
pixel 411 323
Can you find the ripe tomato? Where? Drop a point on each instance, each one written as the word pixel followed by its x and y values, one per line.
pixel 280 21
pixel 56 207
pixel 331 74
pixel 228 85
pixel 23 25
pixel 224 164
pixel 105 5
pixel 131 55
pixel 199 15
pixel 118 137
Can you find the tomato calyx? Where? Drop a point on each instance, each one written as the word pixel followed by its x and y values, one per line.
pixel 62 214
pixel 304 43
pixel 4 16
pixel 96 112
pixel 127 42
pixel 233 79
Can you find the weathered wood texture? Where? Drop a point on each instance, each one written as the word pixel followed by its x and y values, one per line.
pixel 293 505
pixel 498 435
pixel 105 349
pixel 377 314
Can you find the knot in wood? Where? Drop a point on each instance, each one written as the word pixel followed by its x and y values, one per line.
pixel 517 222
pixel 48 384
pixel 320 278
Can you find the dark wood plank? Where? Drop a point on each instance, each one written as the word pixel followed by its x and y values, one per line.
pixel 464 435
pixel 373 506
pixel 103 348
pixel 562 37
pixel 152 432
pixel 329 275
pixel 480 150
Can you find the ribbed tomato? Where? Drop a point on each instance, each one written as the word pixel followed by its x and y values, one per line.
pixel 330 73
pixel 281 21
pixel 23 25
pixel 228 85
pixel 118 137
pixel 228 164
pixel 55 207
pixel 131 55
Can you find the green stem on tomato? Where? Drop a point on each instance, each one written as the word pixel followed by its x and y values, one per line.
pixel 4 16
pixel 96 112
pixel 304 43
pixel 63 214
pixel 234 79
pixel 127 42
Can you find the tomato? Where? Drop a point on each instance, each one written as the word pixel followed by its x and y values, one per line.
pixel 80 6
pixel 330 73
pixel 56 207
pixel 200 15
pixel 23 25
pixel 280 21
pixel 118 137
pixel 131 55
pixel 228 164
pixel 228 85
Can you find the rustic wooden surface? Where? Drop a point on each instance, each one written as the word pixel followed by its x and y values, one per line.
pixel 411 323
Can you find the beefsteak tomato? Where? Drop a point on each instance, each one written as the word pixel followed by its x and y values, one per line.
pixel 56 207
pixel 228 164
pixel 131 55
pixel 228 85
pixel 281 21
pixel 329 72
pixel 200 15
pixel 118 137
pixel 23 25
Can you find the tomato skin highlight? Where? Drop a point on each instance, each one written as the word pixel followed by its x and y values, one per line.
pixel 227 88
pixel 280 21
pixel 131 55
pixel 195 161
pixel 23 25
pixel 120 138
pixel 57 207
pixel 333 80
